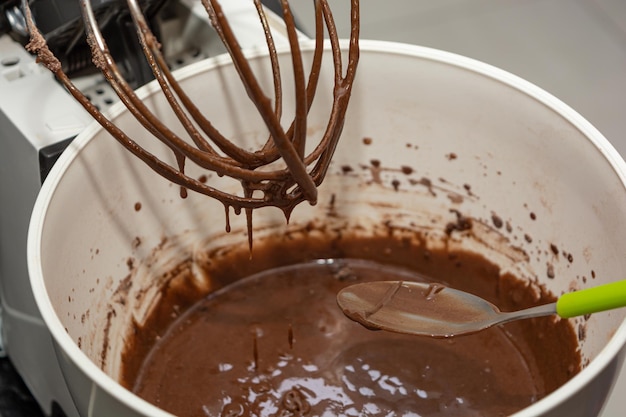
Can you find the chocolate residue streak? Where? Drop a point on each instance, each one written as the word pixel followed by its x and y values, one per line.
pixel 107 328
pixel 550 271
pixel 375 170
pixel 395 184
pixel 290 336
pixel 468 189
pixel 433 290
pixel 255 351
pixel 455 198
pixel 332 208
pixel 451 156
pixel 367 141
pixel 462 223
pixel 426 182
pixel 137 206
pixel 533 216
pixel 384 299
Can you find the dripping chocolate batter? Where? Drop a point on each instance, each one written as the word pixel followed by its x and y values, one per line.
pixel 284 186
pixel 275 343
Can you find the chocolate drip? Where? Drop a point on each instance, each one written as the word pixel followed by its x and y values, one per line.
pixel 206 146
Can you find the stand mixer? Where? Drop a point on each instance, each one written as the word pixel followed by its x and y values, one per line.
pixel 38 119
pixel 27 151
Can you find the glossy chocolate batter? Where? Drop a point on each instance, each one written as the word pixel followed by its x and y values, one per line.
pixel 276 344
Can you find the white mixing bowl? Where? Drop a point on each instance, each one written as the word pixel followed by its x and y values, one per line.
pixel 492 145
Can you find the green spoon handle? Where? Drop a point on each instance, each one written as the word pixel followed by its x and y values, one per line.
pixel 592 300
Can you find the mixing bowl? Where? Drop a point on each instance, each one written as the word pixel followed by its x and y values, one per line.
pixel 428 135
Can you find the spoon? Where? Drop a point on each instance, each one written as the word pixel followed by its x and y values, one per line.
pixel 431 309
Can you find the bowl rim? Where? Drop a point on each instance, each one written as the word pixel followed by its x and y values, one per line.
pixel 101 380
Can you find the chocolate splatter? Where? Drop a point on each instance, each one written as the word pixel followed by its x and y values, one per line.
pixel 462 223
pixel 497 221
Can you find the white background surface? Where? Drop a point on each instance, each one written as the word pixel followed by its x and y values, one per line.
pixel 574 49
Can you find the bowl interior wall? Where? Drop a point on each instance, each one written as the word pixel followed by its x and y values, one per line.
pixel 487 148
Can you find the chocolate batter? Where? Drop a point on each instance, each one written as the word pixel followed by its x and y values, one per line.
pixel 276 344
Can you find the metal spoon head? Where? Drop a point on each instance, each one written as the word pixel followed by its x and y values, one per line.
pixel 417 308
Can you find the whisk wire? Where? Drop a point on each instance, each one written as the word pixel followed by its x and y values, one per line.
pixel 280 186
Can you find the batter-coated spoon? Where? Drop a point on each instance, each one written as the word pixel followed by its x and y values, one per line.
pixel 430 309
